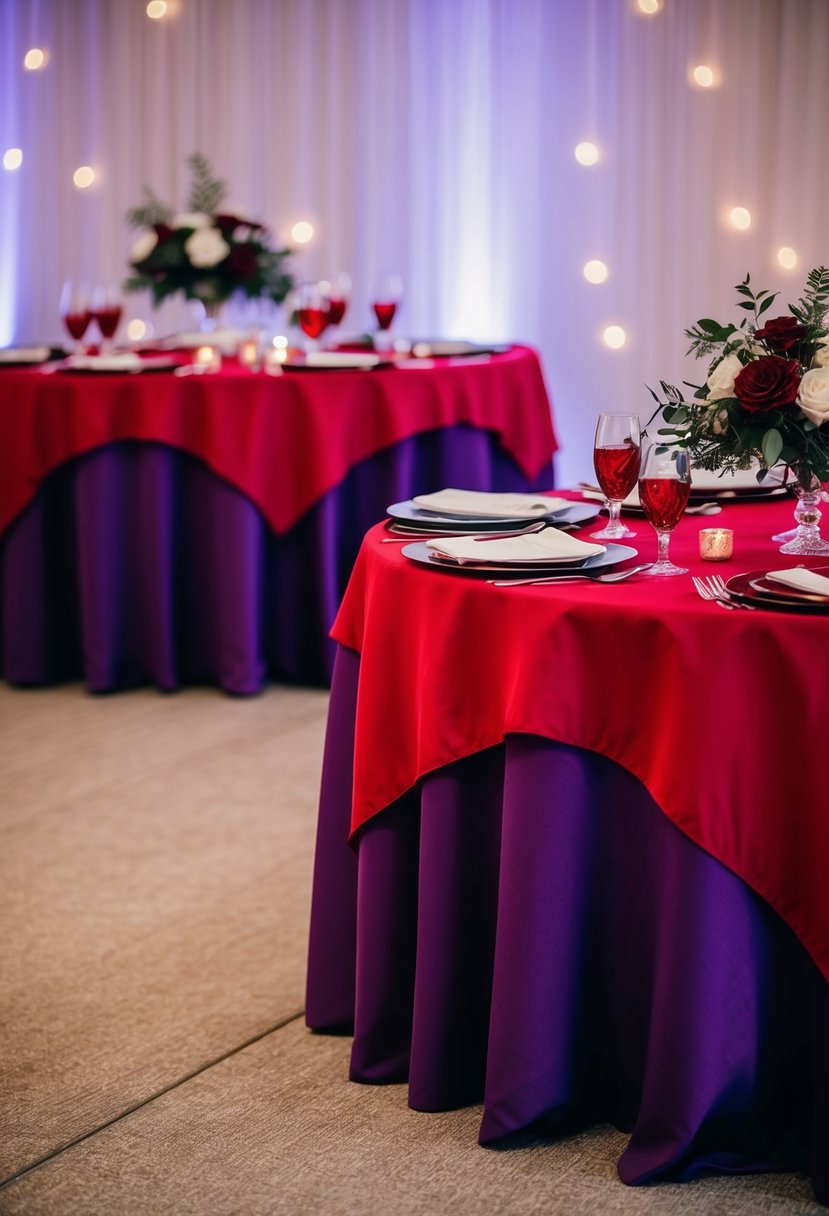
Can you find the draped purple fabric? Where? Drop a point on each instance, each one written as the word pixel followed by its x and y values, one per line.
pixel 526 929
pixel 135 564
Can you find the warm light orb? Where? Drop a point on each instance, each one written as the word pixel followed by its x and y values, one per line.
pixel 302 232
pixel 787 257
pixel 12 158
pixel 595 271
pixel 34 59
pixel 157 9
pixel 703 76
pixel 740 218
pixel 649 7
pixel 586 153
pixel 614 337
pixel 83 177
pixel 136 330
pixel 280 342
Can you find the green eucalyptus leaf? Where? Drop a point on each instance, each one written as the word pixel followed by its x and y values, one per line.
pixel 767 303
pixel 772 446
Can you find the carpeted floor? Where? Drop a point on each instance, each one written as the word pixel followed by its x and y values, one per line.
pixel 155 865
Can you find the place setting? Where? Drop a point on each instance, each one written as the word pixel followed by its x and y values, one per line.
pixel 456 512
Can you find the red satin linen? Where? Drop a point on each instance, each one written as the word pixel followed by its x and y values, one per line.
pixel 283 441
pixel 719 714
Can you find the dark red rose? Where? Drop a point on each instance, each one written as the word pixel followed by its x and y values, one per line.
pixel 226 223
pixel 781 335
pixel 767 383
pixel 242 260
pixel 163 232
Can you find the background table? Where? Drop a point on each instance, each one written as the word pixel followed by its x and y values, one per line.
pixel 586 880
pixel 203 528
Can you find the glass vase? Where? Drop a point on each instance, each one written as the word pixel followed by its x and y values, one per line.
pixel 807 538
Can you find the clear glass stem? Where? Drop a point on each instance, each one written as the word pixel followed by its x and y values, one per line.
pixel 663 542
pixel 807 538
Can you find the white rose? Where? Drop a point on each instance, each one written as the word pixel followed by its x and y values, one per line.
pixel 721 381
pixel 143 247
pixel 821 358
pixel 206 247
pixel 191 219
pixel 813 397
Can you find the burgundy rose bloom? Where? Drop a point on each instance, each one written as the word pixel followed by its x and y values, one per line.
pixel 242 260
pixel 163 232
pixel 767 383
pixel 226 223
pixel 781 335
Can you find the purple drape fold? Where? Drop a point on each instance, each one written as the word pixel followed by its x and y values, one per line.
pixel 135 564
pixel 527 929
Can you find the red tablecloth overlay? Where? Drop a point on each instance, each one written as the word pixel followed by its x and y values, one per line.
pixel 283 441
pixel 201 529
pixel 587 843
pixel 719 714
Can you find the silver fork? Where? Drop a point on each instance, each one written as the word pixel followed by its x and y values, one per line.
pixel 718 585
pixel 707 592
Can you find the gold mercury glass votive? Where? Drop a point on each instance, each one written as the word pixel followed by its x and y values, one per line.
pixel 716 544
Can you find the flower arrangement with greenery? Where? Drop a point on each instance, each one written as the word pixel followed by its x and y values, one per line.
pixel 766 396
pixel 204 253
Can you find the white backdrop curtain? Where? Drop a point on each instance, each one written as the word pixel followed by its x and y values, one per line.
pixel 435 138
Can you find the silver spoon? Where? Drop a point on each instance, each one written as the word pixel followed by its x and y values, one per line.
pixel 614 576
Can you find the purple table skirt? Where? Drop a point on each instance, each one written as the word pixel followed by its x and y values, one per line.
pixel 526 929
pixel 135 564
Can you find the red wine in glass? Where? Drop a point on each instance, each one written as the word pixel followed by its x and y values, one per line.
pixel 108 318
pixel 616 461
pixel 664 487
pixel 336 310
pixel 77 323
pixel 384 312
pixel 617 469
pixel 312 321
pixel 663 500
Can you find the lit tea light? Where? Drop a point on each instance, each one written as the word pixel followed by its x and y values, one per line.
pixel 716 544
pixel 273 359
pixel 248 354
pixel 207 359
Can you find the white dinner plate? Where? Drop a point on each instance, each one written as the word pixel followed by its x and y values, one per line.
pixel 575 513
pixel 613 555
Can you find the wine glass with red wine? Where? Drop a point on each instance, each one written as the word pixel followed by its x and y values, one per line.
pixel 106 310
pixel 616 461
pixel 312 312
pixel 386 295
pixel 664 486
pixel 339 298
pixel 75 311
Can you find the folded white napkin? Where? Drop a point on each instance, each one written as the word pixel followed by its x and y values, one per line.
pixel 24 354
pixel 530 548
pixel 226 341
pixel 742 479
pixel 334 358
pixel 801 579
pixel 484 505
pixel 127 361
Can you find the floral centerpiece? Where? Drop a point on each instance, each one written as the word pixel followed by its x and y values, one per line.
pixel 204 253
pixel 765 399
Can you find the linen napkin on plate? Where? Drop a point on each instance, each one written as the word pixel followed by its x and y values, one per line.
pixel 801 579
pixel 485 505
pixel 125 361
pixel 24 354
pixel 531 548
pixel 341 359
pixel 597 495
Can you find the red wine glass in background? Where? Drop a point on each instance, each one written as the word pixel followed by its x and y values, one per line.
pixel 616 461
pixel 339 298
pixel 664 486
pixel 312 313
pixel 107 310
pixel 75 311
pixel 385 300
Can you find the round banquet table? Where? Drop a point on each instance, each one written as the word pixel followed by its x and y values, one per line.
pixel 180 529
pixel 571 857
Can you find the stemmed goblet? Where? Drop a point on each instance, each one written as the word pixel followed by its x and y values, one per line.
pixel 75 311
pixel 616 462
pixel 386 294
pixel 339 299
pixel 312 312
pixel 664 486
pixel 106 309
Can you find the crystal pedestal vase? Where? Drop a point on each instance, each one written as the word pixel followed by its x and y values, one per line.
pixel 807 538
